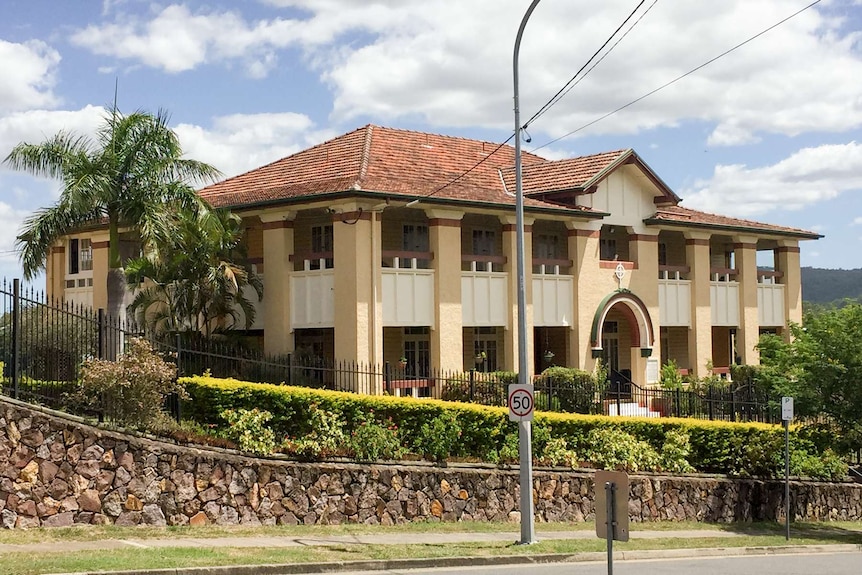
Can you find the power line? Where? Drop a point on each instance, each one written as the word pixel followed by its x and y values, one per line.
pixel 680 77
pixel 567 86
pixel 554 99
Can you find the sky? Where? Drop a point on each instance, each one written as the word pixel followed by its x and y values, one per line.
pixel 770 131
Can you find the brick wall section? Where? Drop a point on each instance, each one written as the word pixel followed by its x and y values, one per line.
pixel 57 471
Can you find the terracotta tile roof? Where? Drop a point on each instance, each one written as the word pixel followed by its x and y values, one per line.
pixel 385 160
pixel 686 216
pixel 568 174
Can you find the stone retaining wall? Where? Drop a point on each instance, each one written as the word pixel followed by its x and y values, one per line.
pixel 57 471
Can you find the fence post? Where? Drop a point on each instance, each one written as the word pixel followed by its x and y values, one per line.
pixel 472 383
pixel 100 322
pixel 732 404
pixel 709 396
pixel 289 377
pixel 178 408
pixel 16 335
pixel 678 402
pixel 387 378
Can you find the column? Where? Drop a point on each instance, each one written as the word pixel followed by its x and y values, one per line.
pixel 510 250
pixel 588 291
pixel 447 333
pixel 358 310
pixel 55 272
pixel 100 246
pixel 748 332
pixel 278 246
pixel 643 250
pixel 700 333
pixel 787 262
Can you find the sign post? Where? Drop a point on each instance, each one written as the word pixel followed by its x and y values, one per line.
pixel 786 418
pixel 612 509
pixel 521 403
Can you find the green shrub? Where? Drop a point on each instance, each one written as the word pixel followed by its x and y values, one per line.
pixel 571 389
pixel 440 437
pixel 130 391
pixel 670 378
pixel 675 453
pixel 371 441
pixel 486 432
pixel 615 449
pixel 248 428
pixel 326 438
pixel 557 452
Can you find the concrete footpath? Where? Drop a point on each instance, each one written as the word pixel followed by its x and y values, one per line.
pixel 391 538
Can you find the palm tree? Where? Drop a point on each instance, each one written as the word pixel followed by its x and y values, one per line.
pixel 132 176
pixel 193 281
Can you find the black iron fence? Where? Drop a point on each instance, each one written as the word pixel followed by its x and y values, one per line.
pixel 43 344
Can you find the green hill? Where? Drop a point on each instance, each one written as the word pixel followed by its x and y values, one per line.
pixel 823 286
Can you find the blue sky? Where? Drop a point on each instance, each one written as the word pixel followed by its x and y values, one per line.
pixel 772 131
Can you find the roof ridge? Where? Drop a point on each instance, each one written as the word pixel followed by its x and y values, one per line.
pixel 366 156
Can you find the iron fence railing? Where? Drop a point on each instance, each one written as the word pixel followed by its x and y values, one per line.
pixel 43 344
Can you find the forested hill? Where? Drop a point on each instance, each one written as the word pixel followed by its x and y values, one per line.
pixel 824 285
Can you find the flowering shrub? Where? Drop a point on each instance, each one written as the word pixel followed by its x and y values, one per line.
pixel 439 438
pixel 371 441
pixel 248 428
pixel 326 438
pixel 131 390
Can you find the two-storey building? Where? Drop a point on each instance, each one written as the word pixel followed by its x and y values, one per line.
pixel 383 243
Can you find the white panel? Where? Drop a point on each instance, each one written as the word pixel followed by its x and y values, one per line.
pixel 408 297
pixel 312 299
pixel 79 296
pixel 724 297
pixel 770 305
pixel 259 309
pixel 674 300
pixel 552 300
pixel 483 299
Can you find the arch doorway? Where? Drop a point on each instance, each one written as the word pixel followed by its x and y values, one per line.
pixel 623 337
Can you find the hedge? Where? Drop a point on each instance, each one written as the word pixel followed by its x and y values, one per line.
pixel 754 449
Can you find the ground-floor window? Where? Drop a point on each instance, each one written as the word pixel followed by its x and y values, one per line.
pixel 485 354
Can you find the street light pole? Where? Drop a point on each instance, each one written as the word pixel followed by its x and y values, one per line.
pixel 528 527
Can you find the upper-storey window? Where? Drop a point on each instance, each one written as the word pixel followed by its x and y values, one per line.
pixel 608 249
pixel 415 238
pixel 662 254
pixel 546 247
pixel 484 242
pixel 80 255
pixel 322 243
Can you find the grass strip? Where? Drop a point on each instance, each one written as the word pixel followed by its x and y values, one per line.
pixel 174 557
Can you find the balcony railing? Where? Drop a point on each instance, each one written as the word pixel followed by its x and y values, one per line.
pixel 724 297
pixel 408 289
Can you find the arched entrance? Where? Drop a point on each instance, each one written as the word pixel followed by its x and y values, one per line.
pixel 623 336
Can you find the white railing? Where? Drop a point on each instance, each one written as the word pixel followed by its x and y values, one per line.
pixel 312 297
pixel 553 299
pixel 484 299
pixel 408 295
pixel 724 299
pixel 770 304
pixel 674 302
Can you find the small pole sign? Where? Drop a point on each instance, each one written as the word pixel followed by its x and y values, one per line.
pixel 787 408
pixel 612 510
pixel 521 402
pixel 786 417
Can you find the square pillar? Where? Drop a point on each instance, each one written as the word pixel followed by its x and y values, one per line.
pixel 278 246
pixel 100 245
pixel 748 333
pixel 447 336
pixel 358 310
pixel 510 250
pixel 788 263
pixel 700 333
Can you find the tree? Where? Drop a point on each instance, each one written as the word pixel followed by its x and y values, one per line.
pixel 820 367
pixel 131 176
pixel 191 282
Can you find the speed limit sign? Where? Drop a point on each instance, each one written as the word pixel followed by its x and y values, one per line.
pixel 520 402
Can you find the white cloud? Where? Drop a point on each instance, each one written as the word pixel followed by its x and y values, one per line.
pixel 448 62
pixel 241 142
pixel 857 221
pixel 28 71
pixel 807 177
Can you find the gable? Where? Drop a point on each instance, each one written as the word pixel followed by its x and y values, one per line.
pixel 627 194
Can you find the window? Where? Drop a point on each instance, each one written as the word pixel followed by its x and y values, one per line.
pixel 80 255
pixel 415 238
pixel 608 249
pixel 611 345
pixel 321 243
pixel 546 247
pixel 485 348
pixel 484 242
pixel 662 254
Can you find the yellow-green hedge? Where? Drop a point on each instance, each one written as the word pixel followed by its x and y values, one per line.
pixel 716 447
